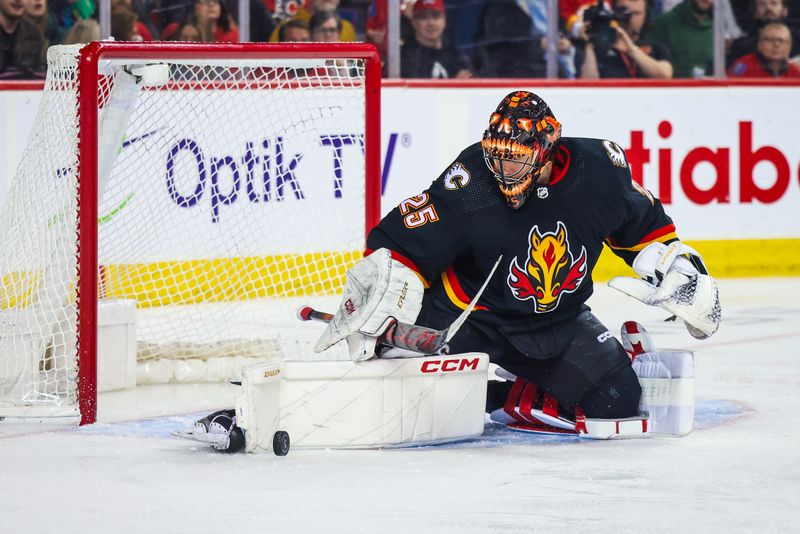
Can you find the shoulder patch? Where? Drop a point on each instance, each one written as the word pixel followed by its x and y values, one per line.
pixel 456 177
pixel 615 154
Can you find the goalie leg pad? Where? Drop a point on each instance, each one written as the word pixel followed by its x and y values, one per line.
pixel 258 407
pixel 637 426
pixel 616 397
pixel 371 404
pixel 667 379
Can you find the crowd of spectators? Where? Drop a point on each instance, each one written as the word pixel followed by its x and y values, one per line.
pixel 656 39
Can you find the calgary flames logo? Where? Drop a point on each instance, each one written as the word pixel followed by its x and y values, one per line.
pixel 549 270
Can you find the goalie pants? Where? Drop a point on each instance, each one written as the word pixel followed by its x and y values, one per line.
pixel 574 359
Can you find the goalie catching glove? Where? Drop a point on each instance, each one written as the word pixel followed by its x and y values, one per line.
pixel 378 291
pixel 675 278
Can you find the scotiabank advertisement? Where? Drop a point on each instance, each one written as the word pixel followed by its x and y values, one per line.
pixel 724 160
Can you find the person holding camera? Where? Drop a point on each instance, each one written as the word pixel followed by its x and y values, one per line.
pixel 616 44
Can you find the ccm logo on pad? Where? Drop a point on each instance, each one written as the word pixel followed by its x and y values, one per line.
pixel 447 366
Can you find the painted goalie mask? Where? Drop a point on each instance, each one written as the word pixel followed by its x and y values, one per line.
pixel 521 139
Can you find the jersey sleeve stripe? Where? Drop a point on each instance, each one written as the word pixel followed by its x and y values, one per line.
pixel 405 261
pixel 662 235
pixel 454 291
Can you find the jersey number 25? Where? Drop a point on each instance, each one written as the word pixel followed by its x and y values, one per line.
pixel 416 212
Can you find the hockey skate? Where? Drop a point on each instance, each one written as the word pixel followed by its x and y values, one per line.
pixel 218 430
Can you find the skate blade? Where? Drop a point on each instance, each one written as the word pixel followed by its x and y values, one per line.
pixel 193 434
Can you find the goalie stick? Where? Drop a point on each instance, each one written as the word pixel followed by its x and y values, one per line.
pixel 408 336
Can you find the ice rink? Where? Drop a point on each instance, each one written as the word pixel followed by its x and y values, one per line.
pixel 739 471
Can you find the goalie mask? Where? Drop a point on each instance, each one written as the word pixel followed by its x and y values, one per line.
pixel 521 139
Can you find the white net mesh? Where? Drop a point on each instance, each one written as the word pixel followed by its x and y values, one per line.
pixel 228 195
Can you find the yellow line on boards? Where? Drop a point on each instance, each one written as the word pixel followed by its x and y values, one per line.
pixel 322 273
pixel 739 258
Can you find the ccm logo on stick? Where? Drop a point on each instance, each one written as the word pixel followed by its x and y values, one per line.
pixel 447 366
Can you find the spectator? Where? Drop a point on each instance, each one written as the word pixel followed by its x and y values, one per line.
pixel 687 31
pixel 83 31
pixel 295 30
pixel 346 34
pixel 513 41
pixel 123 24
pixel 142 30
pixel 68 12
pixel 375 30
pixel 36 10
pixel 188 32
pixel 212 19
pixel 21 43
pixel 631 55
pixel 771 59
pixel 325 26
pixel 430 54
pixel 763 12
pixel 214 22
pixel 730 27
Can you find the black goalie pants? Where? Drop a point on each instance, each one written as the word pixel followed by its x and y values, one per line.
pixel 574 359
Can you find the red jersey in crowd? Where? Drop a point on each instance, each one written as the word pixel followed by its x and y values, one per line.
pixel 754 66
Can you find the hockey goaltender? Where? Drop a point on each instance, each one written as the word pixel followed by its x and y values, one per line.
pixel 546 204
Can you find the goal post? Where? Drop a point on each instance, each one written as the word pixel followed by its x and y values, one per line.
pixel 210 187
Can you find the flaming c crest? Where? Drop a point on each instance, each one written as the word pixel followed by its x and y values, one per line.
pixel 550 270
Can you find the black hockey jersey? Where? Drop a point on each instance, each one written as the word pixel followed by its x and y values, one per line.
pixel 453 233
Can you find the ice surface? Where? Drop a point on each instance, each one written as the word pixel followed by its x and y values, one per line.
pixel 739 471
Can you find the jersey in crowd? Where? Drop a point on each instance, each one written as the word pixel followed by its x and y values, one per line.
pixel 453 232
pixel 419 61
pixel 755 66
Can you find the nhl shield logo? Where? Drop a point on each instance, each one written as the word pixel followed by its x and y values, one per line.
pixel 542 192
pixel 550 270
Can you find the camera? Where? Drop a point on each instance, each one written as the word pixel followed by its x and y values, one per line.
pixel 599 18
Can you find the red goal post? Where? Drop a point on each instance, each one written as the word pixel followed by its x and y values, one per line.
pixel 196 96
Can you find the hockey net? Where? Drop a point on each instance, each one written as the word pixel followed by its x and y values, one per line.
pixel 221 186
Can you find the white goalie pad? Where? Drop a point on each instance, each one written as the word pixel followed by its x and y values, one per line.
pixel 371 404
pixel 377 289
pixel 667 379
